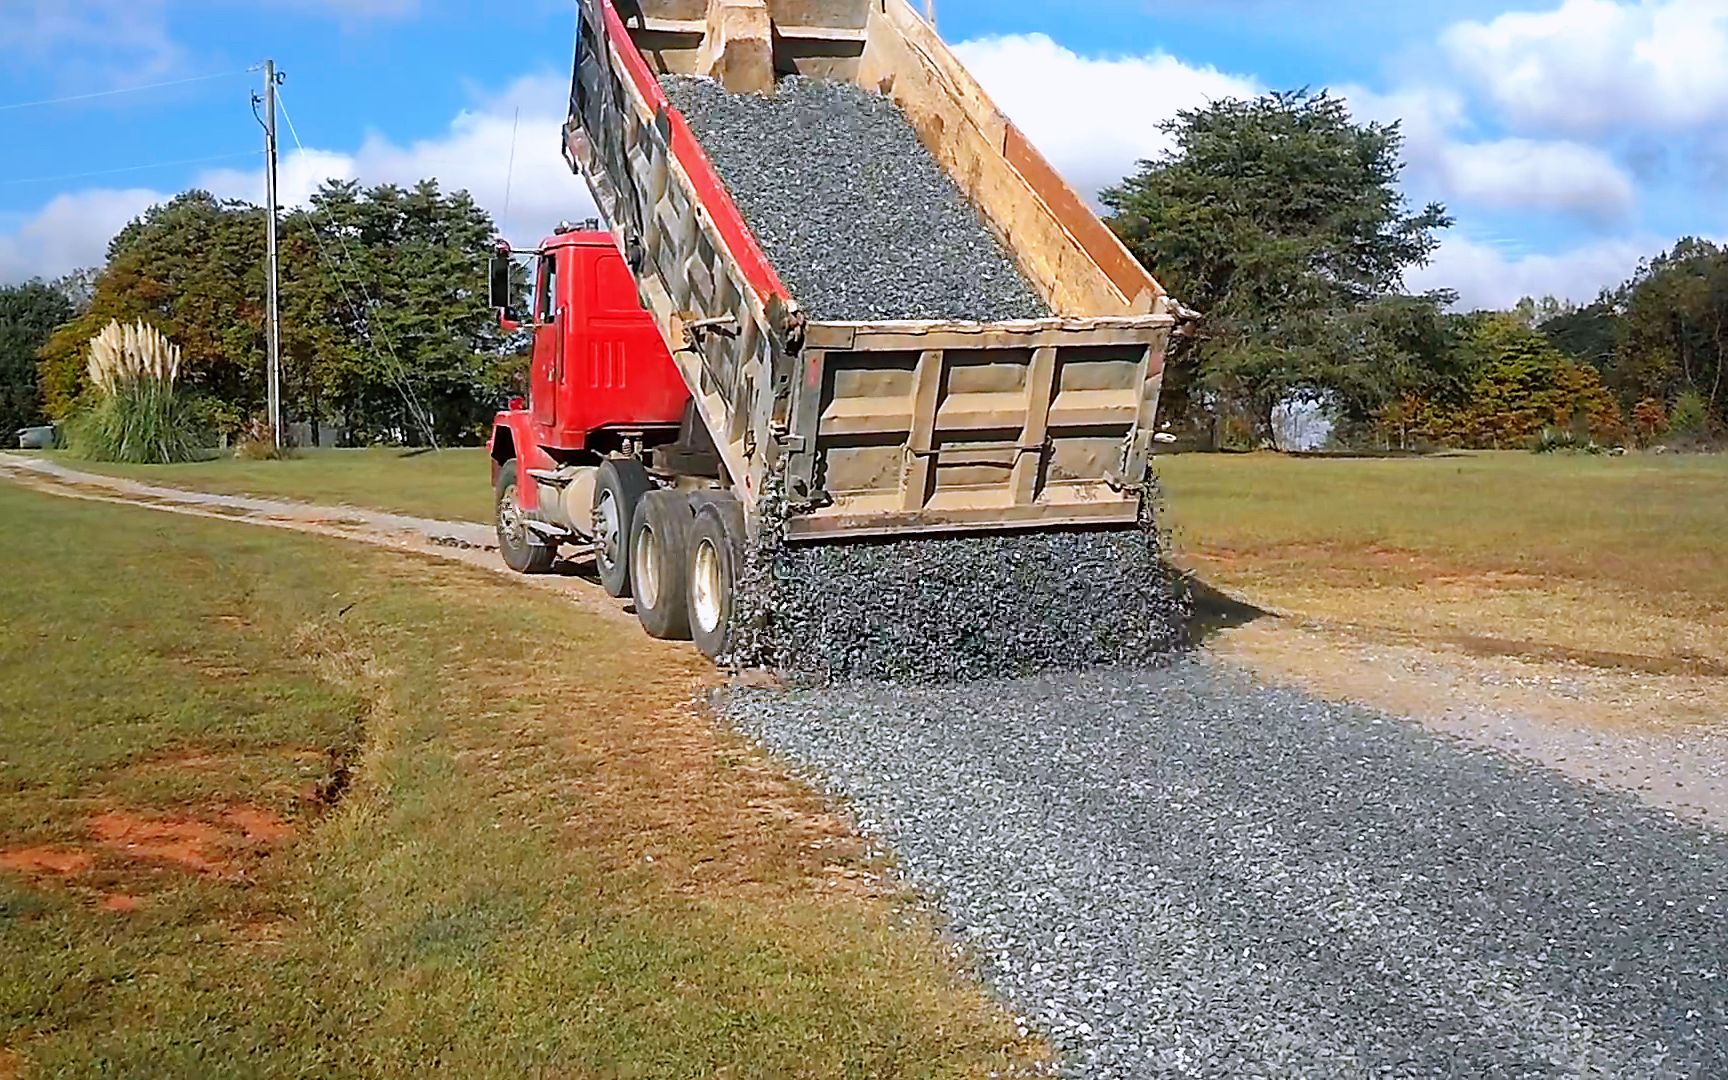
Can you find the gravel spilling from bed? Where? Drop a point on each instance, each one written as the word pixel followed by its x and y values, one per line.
pixel 932 609
pixel 1182 873
pixel 856 216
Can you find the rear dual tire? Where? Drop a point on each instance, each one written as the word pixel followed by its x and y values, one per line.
pixel 619 489
pixel 685 558
pixel 716 563
pixel 659 556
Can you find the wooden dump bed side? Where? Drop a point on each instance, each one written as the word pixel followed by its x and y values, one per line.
pixel 885 427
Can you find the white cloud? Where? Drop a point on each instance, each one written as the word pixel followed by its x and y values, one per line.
pixel 1094 118
pixel 1486 276
pixel 1511 173
pixel 472 154
pixel 1593 66
pixel 118 42
pixel 72 231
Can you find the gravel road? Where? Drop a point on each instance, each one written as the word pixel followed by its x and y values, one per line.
pixel 1184 873
pixel 856 216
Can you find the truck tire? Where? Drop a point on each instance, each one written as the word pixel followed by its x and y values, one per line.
pixel 716 562
pixel 618 491
pixel 523 550
pixel 659 564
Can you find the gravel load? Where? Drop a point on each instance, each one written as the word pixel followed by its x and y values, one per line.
pixel 1180 872
pixel 957 608
pixel 859 220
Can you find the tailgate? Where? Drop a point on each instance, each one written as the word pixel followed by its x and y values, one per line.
pixel 917 427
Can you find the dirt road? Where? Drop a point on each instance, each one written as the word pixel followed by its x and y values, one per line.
pixel 459 541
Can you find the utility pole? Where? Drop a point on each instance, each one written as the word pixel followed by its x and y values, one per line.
pixel 273 318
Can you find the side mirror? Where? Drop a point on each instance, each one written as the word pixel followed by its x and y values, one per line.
pixel 498 291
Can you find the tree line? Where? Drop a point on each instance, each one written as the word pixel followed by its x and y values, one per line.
pixel 1280 218
pixel 386 331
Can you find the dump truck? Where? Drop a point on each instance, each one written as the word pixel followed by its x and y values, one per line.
pixel 684 405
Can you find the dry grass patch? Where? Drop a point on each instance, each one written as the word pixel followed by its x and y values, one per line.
pixel 1527 576
pixel 1592 553
pixel 543 860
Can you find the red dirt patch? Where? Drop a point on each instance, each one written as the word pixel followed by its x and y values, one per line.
pixel 44 860
pixel 202 846
pixel 11 1065
pixel 195 845
pixel 260 825
pixel 120 903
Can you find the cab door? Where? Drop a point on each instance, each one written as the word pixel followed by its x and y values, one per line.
pixel 546 381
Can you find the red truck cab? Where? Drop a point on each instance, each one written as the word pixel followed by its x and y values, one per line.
pixel 602 388
pixel 600 377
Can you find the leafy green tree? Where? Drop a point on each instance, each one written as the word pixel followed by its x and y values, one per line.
pixel 1588 334
pixel 28 315
pixel 385 327
pixel 400 275
pixel 194 268
pixel 1673 335
pixel 1280 219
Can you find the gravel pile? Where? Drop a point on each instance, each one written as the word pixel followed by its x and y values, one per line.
pixel 1182 873
pixel 957 608
pixel 856 216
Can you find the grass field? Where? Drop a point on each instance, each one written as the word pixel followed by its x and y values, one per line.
pixel 278 805
pixel 1649 524
pixel 451 484
pixel 1618 561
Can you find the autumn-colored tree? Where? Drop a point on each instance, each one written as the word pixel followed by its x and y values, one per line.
pixel 1649 420
pixel 1515 383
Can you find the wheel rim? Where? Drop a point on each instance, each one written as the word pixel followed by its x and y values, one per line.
pixel 706 587
pixel 645 574
pixel 510 526
pixel 607 529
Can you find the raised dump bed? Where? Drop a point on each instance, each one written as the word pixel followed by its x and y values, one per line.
pixel 876 427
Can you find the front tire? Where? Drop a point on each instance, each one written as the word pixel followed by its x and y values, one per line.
pixel 716 561
pixel 523 551
pixel 618 491
pixel 659 564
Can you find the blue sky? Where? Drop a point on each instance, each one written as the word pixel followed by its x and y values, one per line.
pixel 1569 137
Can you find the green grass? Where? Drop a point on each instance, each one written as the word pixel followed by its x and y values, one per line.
pixel 452 484
pixel 1640 523
pixel 545 864
pixel 1647 525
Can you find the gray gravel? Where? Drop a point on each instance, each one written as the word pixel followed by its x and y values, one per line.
pixel 1183 873
pixel 856 216
pixel 955 608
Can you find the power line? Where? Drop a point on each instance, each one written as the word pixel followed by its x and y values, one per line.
pixel 130 168
pixel 399 374
pixel 123 90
